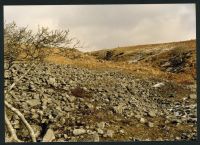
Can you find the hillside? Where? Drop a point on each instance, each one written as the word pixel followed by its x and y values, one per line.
pixel 139 93
pixel 172 58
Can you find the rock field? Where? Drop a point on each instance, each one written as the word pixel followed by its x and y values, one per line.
pixel 78 104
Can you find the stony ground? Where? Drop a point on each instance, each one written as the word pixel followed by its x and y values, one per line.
pixel 79 104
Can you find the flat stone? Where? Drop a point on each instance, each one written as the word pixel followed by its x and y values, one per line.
pixel 151 113
pixel 79 131
pixel 142 120
pixel 65 136
pixel 52 81
pixel 150 124
pixel 100 131
pixel 158 85
pixel 193 96
pixel 33 102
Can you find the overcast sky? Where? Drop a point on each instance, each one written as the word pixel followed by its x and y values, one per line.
pixel 109 26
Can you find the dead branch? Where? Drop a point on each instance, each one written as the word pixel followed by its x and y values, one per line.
pixel 18 113
pixel 21 116
pixel 11 130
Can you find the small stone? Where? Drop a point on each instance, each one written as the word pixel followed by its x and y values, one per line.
pixel 52 80
pixel 90 106
pixel 158 85
pixel 70 98
pixel 79 131
pixel 36 96
pixel 138 116
pixel 73 139
pixel 35 116
pixel 65 136
pixel 101 125
pixel 193 96
pixel 122 131
pixel 33 102
pixel 100 131
pixel 49 136
pixel 150 124
pixel 32 87
pixel 151 113
pixel 96 137
pixel 142 120
pixel 118 109
pixel 109 133
pixel 33 110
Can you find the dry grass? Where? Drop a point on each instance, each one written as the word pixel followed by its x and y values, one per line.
pixel 143 69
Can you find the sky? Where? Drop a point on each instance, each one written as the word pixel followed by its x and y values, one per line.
pixel 109 26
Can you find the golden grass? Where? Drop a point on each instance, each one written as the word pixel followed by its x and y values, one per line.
pixel 143 70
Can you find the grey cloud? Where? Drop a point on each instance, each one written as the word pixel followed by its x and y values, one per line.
pixel 107 26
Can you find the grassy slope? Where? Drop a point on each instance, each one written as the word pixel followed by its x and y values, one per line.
pixel 153 55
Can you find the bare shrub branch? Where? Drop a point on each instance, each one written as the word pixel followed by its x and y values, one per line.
pixel 21 116
pixel 11 130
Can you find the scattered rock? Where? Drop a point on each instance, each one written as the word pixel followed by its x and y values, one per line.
pixel 70 98
pixel 193 96
pixel 49 136
pixel 68 107
pixel 96 137
pixel 109 133
pixel 158 85
pixel 79 131
pixel 33 102
pixel 101 125
pixel 142 120
pixel 118 109
pixel 52 81
pixel 150 124
pixel 151 113
pixel 100 131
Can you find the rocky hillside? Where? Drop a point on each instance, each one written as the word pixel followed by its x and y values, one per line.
pixel 172 57
pixel 74 103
